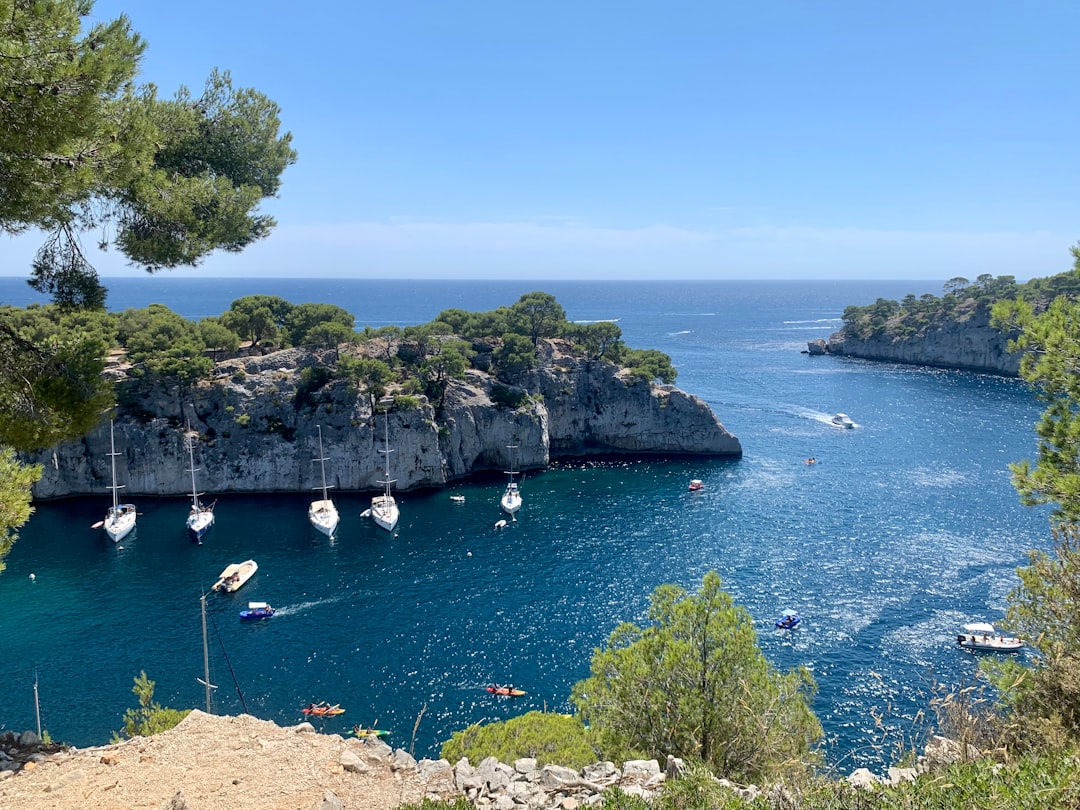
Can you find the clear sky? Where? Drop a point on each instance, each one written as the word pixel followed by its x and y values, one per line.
pixel 713 140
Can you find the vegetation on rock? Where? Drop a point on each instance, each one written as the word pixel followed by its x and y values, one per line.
pixel 555 739
pixel 150 717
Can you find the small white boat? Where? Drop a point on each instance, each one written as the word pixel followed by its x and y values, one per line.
pixel 511 497
pixel 120 517
pixel 984 636
pixel 201 517
pixel 235 575
pixel 696 485
pixel 322 513
pixel 384 509
pixel 843 420
pixel 457 498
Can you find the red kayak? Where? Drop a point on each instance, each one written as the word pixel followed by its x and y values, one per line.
pixel 509 691
pixel 322 710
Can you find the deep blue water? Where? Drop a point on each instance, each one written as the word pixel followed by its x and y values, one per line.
pixel 905 528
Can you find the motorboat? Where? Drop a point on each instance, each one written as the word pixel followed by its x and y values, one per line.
pixel 984 636
pixel 256 610
pixel 322 513
pixel 235 575
pixel 511 497
pixel 789 620
pixel 696 485
pixel 384 509
pixel 120 517
pixel 843 420
pixel 201 517
pixel 457 498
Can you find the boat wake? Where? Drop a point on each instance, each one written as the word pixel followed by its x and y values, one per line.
pixel 303 607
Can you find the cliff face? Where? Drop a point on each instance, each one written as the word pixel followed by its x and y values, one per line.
pixel 256 435
pixel 968 342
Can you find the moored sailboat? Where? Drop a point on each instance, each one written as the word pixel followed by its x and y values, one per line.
pixel 120 517
pixel 384 509
pixel 511 497
pixel 322 513
pixel 201 517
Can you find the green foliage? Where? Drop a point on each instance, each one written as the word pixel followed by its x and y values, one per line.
pixel 150 717
pixel 370 376
pixel 459 803
pixel 694 683
pixel 650 365
pixel 557 739
pixel 312 379
pixel 507 397
pixel 84 149
pixel 51 386
pixel 258 317
pixel 16 479
pixel 515 356
pixel 537 315
pixel 303 319
pixel 599 341
pixel 1050 342
pixel 218 337
pixel 163 345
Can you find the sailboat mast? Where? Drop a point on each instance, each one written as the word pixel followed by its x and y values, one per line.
pixel 386 451
pixel 112 457
pixel 191 456
pixel 322 463
pixel 205 654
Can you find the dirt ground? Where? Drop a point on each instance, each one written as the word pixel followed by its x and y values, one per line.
pixel 214 763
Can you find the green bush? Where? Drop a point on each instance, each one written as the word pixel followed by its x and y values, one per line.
pixel 557 739
pixel 149 718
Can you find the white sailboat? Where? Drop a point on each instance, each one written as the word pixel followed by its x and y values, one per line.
pixel 322 513
pixel 511 498
pixel 120 518
pixel 201 517
pixel 384 509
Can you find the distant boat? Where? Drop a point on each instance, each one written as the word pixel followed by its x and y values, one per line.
pixel 506 691
pixel 200 518
pixel 457 498
pixel 120 517
pixel 322 513
pixel 843 420
pixel 696 484
pixel 984 636
pixel 384 509
pixel 367 733
pixel 235 575
pixel 256 610
pixel 789 620
pixel 511 497
pixel 321 709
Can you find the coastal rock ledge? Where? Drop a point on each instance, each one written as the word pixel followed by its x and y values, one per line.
pixel 257 422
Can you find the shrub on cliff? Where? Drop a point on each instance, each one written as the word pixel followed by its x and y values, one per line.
pixel 695 684
pixel 150 717
pixel 556 739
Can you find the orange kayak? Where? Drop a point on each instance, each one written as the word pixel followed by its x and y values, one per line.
pixel 509 691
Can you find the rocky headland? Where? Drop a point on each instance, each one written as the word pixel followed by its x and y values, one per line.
pixel 257 424
pixel 966 341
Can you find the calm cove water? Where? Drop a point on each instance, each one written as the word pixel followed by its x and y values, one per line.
pixel 906 528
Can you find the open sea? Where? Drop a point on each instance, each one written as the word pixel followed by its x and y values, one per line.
pixel 906 528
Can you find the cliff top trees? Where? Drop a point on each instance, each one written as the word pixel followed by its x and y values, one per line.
pixel 694 683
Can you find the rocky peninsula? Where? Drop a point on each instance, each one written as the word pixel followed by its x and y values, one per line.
pixel 257 423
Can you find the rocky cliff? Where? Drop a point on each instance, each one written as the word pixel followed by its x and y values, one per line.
pixel 964 342
pixel 257 427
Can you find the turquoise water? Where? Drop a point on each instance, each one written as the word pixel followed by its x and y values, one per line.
pixel 905 528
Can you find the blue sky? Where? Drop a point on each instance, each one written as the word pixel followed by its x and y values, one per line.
pixel 705 140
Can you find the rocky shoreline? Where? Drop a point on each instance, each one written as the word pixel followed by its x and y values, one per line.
pixel 257 429
pixel 209 762
pixel 968 343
